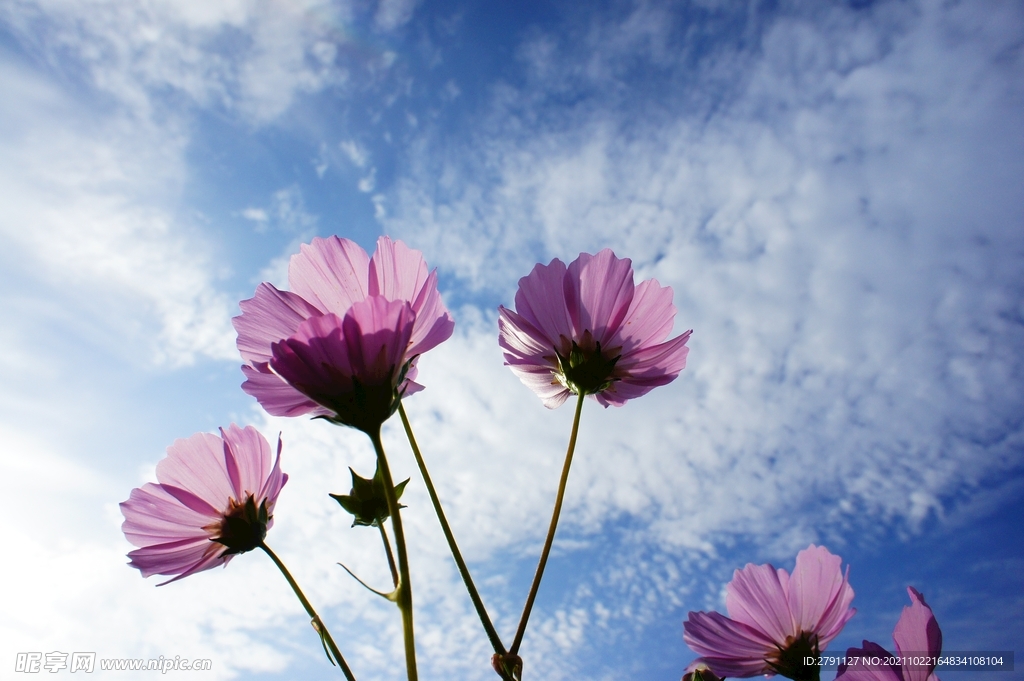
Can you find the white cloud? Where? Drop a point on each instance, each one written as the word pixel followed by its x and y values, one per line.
pixel 238 54
pixel 366 184
pixel 392 14
pixel 257 215
pixel 88 209
pixel 355 152
pixel 840 223
pixel 841 227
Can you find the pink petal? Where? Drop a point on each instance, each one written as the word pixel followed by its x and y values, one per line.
pixel 315 360
pixel 153 516
pixel 434 324
pixel 396 271
pixel 860 670
pixel 191 501
pixel 268 317
pixel 598 292
pixel 819 595
pixel 522 341
pixel 525 354
pixel 208 562
pixel 327 353
pixel 917 633
pixel 275 481
pixel 649 319
pixel 248 453
pixel 728 647
pixel 756 597
pixel 275 395
pixel 661 362
pixel 176 557
pixel 332 274
pixel 377 333
pixel 196 464
pixel 540 301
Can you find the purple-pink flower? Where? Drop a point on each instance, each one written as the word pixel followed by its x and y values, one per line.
pixel 587 329
pixel 917 635
pixel 775 619
pixel 343 342
pixel 215 498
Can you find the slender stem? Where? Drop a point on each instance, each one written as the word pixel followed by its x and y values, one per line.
pixel 404 584
pixel 474 595
pixel 551 531
pixel 318 623
pixel 391 556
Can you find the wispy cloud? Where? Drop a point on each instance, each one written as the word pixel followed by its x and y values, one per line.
pixel 838 230
pixel 90 208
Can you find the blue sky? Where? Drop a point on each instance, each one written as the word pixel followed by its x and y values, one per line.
pixel 833 191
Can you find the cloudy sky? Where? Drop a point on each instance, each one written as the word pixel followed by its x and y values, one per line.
pixel 832 190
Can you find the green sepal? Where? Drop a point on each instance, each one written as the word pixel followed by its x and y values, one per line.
pixel 586 373
pixel 366 500
pixel 243 527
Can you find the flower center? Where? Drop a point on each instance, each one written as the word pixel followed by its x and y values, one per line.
pixel 791 659
pixel 243 526
pixel 585 371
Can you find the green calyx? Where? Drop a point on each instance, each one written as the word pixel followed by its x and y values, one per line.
pixel 244 526
pixel 585 372
pixel 366 500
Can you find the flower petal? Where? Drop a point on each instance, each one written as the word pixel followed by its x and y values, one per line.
pixel 540 301
pixel 917 634
pixel 819 595
pixel 331 273
pixel 154 516
pixel 275 395
pixel 398 272
pixel 177 558
pixel 275 481
pixel 349 365
pixel 756 597
pixel 862 670
pixel 649 319
pixel 268 317
pixel 249 454
pixel 598 292
pixel 729 648
pixel 197 464
pixel 377 333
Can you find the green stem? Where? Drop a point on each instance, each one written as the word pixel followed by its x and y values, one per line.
pixel 318 624
pixel 474 595
pixel 404 583
pixel 391 556
pixel 551 531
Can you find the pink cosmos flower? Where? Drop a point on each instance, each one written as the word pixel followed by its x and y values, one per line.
pixel 775 619
pixel 917 634
pixel 343 342
pixel 586 329
pixel 214 499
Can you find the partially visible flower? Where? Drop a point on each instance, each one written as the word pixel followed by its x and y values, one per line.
pixel 698 670
pixel 587 329
pixel 345 339
pixel 775 619
pixel 215 498
pixel 917 635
